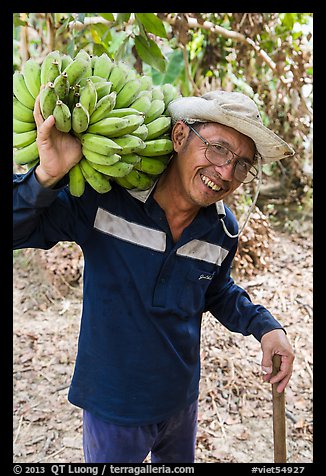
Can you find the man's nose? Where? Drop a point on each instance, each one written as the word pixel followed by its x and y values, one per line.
pixel 226 172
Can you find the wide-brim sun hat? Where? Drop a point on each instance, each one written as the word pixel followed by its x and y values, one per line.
pixel 235 110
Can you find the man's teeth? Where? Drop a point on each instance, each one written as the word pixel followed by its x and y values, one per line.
pixel 210 184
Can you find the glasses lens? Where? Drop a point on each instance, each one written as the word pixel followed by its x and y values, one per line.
pixel 244 172
pixel 218 155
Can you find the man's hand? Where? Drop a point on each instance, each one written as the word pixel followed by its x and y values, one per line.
pixel 58 151
pixel 276 342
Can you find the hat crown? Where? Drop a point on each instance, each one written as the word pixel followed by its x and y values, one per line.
pixel 235 103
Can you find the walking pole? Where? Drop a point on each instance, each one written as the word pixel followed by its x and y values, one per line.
pixel 279 427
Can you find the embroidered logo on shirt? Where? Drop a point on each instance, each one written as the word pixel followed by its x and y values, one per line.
pixel 206 276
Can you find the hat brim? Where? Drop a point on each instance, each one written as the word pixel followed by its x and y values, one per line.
pixel 196 109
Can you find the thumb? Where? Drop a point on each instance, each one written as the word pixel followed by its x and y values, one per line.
pixel 267 363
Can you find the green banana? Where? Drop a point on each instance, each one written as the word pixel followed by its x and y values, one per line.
pixel 76 181
pixel 132 158
pixel 133 122
pixel 150 165
pixel 103 88
pixel 94 79
pixel 157 93
pixel 169 92
pixel 21 91
pixel 129 144
pixel 156 147
pixel 31 164
pixel 124 111
pixel 76 70
pixel 83 54
pixel 48 99
pixel 123 182
pixel 26 154
pixel 119 169
pixel 96 180
pixel 102 66
pixel 142 102
pixel 103 107
pixel 52 72
pixel 21 126
pixel 47 67
pixel 88 96
pixel 62 116
pixel 109 127
pixel 158 127
pixel 24 138
pixel 141 132
pixel 79 118
pixel 61 86
pixel 117 77
pixel 146 82
pixel 156 109
pixel 139 179
pixel 21 112
pixel 128 93
pixel 100 144
pixel 100 159
pixel 65 60
pixel 32 75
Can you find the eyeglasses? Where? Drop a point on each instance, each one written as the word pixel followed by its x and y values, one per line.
pixel 219 155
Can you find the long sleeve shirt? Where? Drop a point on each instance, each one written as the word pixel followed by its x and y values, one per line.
pixel 138 358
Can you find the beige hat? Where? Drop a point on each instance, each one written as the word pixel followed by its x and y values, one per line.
pixel 235 110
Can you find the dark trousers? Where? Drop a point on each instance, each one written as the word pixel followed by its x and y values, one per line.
pixel 170 441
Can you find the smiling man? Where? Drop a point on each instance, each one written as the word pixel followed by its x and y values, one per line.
pixel 155 261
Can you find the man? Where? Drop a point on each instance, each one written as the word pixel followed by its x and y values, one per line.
pixel 154 262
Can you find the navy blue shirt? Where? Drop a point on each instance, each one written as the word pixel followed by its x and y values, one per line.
pixel 138 359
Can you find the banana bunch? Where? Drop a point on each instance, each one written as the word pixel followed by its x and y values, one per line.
pixel 119 116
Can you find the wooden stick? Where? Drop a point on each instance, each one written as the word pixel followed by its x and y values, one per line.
pixel 279 427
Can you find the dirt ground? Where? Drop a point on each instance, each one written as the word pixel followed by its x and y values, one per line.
pixel 235 406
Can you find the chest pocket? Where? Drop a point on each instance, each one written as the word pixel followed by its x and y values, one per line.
pixel 191 296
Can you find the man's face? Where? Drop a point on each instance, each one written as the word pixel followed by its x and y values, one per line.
pixel 200 182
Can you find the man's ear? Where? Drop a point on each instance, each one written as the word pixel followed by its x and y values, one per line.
pixel 179 135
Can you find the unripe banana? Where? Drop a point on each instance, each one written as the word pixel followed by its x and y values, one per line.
pixel 20 90
pixel 146 82
pixel 32 76
pixel 139 179
pixel 76 70
pixel 128 93
pixel 158 127
pixel 52 72
pixel 79 118
pixel 100 159
pixel 65 60
pixel 130 144
pixel 102 66
pixel 103 88
pixel 132 158
pixel 170 92
pixel 88 96
pixel 123 182
pixel 133 122
pixel 62 116
pixel 47 66
pixel 109 127
pixel 76 181
pixel 61 86
pixel 31 164
pixel 96 180
pixel 124 111
pixel 103 107
pixel 84 55
pixel 48 100
pixel 21 112
pixel 142 102
pixel 156 147
pixel 100 144
pixel 26 154
pixel 21 126
pixel 156 109
pixel 141 132
pixel 119 169
pixel 24 138
pixel 117 77
pixel 157 93
pixel 94 79
pixel 150 165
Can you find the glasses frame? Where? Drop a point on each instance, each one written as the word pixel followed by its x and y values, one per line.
pixel 235 157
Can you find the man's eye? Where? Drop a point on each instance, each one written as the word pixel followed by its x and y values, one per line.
pixel 244 165
pixel 220 150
